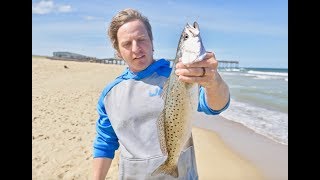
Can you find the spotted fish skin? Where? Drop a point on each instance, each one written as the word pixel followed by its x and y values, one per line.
pixel 180 103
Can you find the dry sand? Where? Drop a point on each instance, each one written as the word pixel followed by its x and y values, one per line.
pixel 63 126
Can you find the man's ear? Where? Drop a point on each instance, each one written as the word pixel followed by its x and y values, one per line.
pixel 118 55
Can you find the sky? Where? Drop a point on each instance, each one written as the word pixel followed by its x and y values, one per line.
pixel 253 32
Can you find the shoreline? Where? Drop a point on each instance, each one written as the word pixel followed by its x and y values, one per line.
pixel 216 160
pixel 269 156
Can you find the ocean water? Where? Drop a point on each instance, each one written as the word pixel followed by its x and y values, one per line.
pixel 259 100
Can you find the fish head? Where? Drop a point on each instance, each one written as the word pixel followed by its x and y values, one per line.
pixel 190 48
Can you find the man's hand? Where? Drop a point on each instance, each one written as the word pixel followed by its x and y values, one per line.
pixel 203 72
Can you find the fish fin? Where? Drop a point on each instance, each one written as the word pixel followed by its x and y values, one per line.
pixel 165 169
pixel 161 132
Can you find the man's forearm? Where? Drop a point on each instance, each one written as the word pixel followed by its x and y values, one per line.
pixel 217 96
pixel 100 168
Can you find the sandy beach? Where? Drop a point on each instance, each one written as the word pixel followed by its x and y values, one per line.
pixel 64 98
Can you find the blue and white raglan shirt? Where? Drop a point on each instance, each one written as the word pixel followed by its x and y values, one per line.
pixel 128 110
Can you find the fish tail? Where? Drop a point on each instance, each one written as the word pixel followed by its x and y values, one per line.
pixel 165 169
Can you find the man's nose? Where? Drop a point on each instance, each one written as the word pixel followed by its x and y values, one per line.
pixel 135 46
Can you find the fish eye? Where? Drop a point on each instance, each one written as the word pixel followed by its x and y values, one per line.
pixel 185 36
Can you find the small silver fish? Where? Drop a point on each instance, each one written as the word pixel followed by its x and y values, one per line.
pixel 180 102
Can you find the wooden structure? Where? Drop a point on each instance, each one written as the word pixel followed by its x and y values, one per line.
pixel 113 61
pixel 224 64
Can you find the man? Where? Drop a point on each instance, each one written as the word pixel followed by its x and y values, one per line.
pixel 129 106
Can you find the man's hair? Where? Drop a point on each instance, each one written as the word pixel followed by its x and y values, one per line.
pixel 123 17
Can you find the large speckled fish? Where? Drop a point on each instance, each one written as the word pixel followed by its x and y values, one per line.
pixel 180 102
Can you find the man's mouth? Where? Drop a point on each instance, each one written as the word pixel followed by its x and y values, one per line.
pixel 139 57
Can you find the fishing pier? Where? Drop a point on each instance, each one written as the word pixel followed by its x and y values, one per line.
pixel 223 64
pixel 227 64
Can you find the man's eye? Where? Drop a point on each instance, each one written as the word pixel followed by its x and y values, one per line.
pixel 126 44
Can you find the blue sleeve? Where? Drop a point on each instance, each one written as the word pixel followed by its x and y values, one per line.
pixel 203 106
pixel 106 140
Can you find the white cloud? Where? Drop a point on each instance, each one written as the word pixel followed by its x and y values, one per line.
pixel 64 8
pixel 48 6
pixel 92 18
pixel 42 7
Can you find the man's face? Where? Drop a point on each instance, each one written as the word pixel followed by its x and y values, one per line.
pixel 135 46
